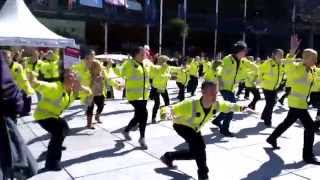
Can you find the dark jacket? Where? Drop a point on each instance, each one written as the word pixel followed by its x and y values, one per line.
pixel 14 154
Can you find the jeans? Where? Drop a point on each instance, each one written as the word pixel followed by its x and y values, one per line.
pixel 226 117
pixel 196 151
pixel 58 128
pixel 140 116
pixel 99 101
pixel 309 129
pixel 156 97
pixel 271 99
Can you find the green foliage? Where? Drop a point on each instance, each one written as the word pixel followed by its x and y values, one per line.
pixel 179 27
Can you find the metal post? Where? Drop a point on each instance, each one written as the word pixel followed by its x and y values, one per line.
pixel 184 36
pixel 160 30
pixel 148 25
pixel 245 19
pixel 105 37
pixel 293 18
pixel 148 34
pixel 216 29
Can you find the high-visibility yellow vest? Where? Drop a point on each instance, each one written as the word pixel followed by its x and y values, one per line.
pixel 207 66
pixel 20 76
pixel 181 73
pixel 190 112
pixel 271 74
pixel 83 73
pixel 230 75
pixel 211 74
pixel 160 76
pixel 303 81
pixel 54 100
pixel 193 68
pixel 316 87
pixel 136 76
pixel 251 74
pixel 31 66
pixel 50 71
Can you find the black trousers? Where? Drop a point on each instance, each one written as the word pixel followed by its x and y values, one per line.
pixel 286 94
pixel 196 151
pixel 256 97
pixel 140 116
pixel 99 101
pixel 242 87
pixel 309 129
pixel 58 128
pixel 27 100
pixel 156 98
pixel 181 91
pixel 271 99
pixel 192 85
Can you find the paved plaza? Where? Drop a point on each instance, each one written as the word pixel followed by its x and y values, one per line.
pixel 102 154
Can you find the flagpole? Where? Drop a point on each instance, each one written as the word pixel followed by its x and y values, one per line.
pixel 160 30
pixel 293 19
pixel 245 19
pixel 184 36
pixel 148 25
pixel 216 29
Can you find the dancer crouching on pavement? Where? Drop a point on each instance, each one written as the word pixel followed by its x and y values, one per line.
pixel 56 97
pixel 189 116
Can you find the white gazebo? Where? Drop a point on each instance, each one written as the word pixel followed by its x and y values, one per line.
pixel 18 27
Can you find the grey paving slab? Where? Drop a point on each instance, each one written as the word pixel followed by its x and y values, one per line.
pixel 147 171
pixel 102 153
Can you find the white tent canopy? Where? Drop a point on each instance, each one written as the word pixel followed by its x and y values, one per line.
pixel 18 27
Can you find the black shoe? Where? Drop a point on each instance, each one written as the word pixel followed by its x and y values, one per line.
pixel 203 178
pixel 165 160
pixel 226 133
pixel 251 107
pixel 56 167
pixel 153 121
pixel 273 143
pixel 267 123
pixel 311 160
pixel 214 122
pixel 281 101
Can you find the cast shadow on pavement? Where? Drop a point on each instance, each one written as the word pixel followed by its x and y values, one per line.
pixel 172 173
pixel 117 112
pixel 213 138
pixel 101 154
pixel 244 133
pixel 72 132
pixel 269 169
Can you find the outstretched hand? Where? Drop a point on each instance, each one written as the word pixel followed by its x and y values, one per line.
pixel 294 44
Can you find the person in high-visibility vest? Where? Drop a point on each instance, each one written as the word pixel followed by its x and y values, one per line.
pixel 50 68
pixel 33 63
pixel 136 73
pixel 20 76
pixel 232 70
pixel 56 97
pixel 271 73
pixel 160 77
pixel 250 82
pixel 193 69
pixel 182 79
pixel 303 80
pixel 212 71
pixel 189 117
